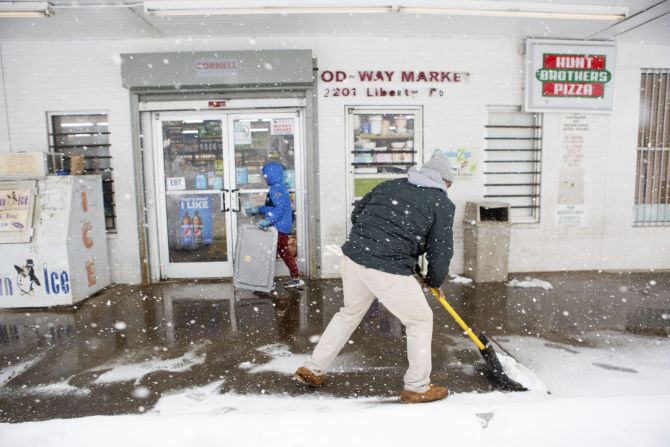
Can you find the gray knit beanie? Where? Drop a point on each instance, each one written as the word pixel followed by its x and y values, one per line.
pixel 440 163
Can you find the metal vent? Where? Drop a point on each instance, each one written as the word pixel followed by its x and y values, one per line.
pixel 652 187
pixel 87 136
pixel 513 161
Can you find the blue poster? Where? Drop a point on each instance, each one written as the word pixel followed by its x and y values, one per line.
pixel 195 221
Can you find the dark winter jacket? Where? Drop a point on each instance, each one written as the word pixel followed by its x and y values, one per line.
pixel 399 221
pixel 277 209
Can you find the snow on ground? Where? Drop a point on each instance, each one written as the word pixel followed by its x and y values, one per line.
pixel 520 374
pixel 56 389
pixel 120 371
pixel 282 360
pixel 459 279
pixel 530 282
pixel 521 419
pixel 614 395
pixel 285 362
pixel 11 371
pixel 625 365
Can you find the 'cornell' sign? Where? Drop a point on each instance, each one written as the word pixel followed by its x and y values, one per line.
pixel 567 76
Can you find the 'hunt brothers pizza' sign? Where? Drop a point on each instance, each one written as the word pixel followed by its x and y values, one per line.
pixel 568 76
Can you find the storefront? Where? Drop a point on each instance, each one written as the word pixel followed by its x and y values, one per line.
pixel 203 150
pixel 190 121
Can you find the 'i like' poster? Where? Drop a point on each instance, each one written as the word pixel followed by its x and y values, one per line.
pixel 195 221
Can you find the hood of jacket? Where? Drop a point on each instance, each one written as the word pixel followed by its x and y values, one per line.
pixel 273 173
pixel 426 178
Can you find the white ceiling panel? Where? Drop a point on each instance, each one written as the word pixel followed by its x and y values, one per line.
pixel 79 24
pixel 99 19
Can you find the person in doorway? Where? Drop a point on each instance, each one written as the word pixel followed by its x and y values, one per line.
pixel 278 212
pixel 394 224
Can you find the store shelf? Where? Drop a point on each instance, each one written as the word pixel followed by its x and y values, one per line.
pixel 91 145
pixel 372 136
pixel 514 138
pixel 370 155
pixel 86 171
pixel 366 151
pixel 378 175
pixel 491 126
pixel 202 154
pixel 384 163
pixel 80 133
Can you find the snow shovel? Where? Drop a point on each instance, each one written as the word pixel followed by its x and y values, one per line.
pixel 497 372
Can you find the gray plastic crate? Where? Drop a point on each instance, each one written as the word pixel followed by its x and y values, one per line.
pixel 255 258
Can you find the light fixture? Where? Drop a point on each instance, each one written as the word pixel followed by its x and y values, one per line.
pixel 207 7
pixel 469 8
pixel 525 9
pixel 26 9
pixel 76 124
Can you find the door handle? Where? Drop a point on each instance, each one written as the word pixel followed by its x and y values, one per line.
pixel 223 200
pixel 236 191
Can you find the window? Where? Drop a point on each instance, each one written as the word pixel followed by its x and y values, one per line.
pixel 382 144
pixel 652 186
pixel 513 160
pixel 86 135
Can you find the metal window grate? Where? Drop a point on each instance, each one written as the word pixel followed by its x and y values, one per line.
pixel 513 161
pixel 87 135
pixel 652 186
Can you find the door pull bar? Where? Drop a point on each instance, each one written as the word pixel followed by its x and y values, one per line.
pixel 239 205
pixel 223 200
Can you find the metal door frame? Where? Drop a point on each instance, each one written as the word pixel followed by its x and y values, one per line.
pixel 299 151
pixel 210 270
pixel 155 188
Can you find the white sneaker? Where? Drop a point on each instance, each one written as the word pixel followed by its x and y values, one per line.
pixel 271 292
pixel 296 283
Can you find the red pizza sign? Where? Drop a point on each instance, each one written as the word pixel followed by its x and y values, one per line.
pixel 569 75
pixel 573 75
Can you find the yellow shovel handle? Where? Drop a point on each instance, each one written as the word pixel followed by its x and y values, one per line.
pixel 440 297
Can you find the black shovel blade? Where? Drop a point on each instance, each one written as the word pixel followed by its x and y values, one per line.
pixel 496 370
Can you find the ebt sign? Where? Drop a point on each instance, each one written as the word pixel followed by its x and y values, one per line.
pixel 563 76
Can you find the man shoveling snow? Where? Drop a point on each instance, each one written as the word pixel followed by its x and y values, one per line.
pixel 393 225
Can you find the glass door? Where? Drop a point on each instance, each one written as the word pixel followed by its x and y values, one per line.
pixel 257 139
pixel 208 170
pixel 193 189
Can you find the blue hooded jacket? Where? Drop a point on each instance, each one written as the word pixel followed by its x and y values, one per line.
pixel 277 209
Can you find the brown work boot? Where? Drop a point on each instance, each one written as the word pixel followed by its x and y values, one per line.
pixel 433 393
pixel 307 377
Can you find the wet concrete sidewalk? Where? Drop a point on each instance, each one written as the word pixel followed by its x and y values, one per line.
pixel 120 351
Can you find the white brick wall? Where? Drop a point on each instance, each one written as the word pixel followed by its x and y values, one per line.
pixel 74 76
pixel 43 77
pixel 4 131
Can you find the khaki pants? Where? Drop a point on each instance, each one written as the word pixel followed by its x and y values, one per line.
pixel 402 296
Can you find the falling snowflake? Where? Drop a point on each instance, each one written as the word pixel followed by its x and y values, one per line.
pixel 141 392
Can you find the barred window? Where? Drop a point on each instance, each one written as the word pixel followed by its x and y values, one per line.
pixel 652 186
pixel 86 135
pixel 513 161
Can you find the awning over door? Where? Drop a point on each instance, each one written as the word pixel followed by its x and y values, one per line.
pixel 217 69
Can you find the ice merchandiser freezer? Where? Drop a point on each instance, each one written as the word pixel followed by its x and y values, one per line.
pixel 52 241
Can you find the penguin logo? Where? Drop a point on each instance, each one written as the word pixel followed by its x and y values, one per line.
pixel 26 278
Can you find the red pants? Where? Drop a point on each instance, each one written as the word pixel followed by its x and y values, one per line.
pixel 289 260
